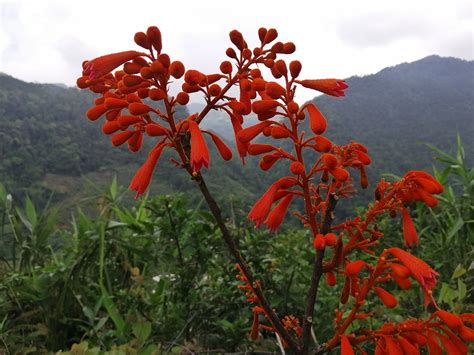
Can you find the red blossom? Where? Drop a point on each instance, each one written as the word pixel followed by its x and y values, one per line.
pixel 101 66
pixel 199 151
pixel 333 87
pixel 142 178
pixel 419 270
pixel 409 231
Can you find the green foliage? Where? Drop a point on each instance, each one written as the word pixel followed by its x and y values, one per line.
pixel 154 274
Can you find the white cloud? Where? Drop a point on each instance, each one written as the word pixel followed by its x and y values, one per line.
pixel 47 40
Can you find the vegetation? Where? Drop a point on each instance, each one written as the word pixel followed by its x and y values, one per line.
pixel 155 277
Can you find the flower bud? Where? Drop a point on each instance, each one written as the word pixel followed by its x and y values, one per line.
pixel 156 94
pixel 142 40
pixel 182 98
pixel 297 168
pixel 154 35
pixel 295 68
pixel 164 59
pixel 226 67
pixel 176 69
pixel 214 90
pixel 387 298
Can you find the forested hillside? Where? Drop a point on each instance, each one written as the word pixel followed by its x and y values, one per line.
pixel 46 144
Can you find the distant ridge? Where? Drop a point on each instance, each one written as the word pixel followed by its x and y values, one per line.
pixel 45 138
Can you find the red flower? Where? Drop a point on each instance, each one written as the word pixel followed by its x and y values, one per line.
pixel 317 121
pixel 142 178
pixel 199 151
pixel 419 270
pixel 276 216
pixel 100 66
pixel 333 87
pixel 346 347
pixel 261 209
pixel 387 298
pixel 409 231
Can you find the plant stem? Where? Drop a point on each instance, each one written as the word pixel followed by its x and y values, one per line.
pixel 216 212
pixel 316 276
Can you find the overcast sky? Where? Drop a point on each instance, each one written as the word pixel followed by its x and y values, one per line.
pixel 46 41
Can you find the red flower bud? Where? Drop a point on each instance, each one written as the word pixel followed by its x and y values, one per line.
pixel 182 98
pixel 275 90
pixel 317 121
pixel 264 106
pixel 121 138
pixel 297 168
pixel 387 298
pixel 322 144
pixel 156 94
pixel 154 129
pixel 237 39
pixel 279 132
pixel 270 36
pixel 154 35
pixel 95 112
pixel 451 320
pixel 331 278
pixel 176 69
pixel 257 149
pixel 137 108
pixel 295 68
pixel 339 174
pixel 353 268
pixel 409 230
pixel 226 67
pixel 319 242
pixel 142 40
pixel 331 239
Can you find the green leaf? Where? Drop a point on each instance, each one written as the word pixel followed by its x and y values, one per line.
pixel 31 212
pixel 113 188
pixel 24 220
pixel 141 331
pixel 458 272
pixel 455 228
pixel 113 311
pixel 462 290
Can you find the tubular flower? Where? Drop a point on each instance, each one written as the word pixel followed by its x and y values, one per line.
pixel 276 216
pixel 143 176
pixel 261 209
pixel 237 127
pixel 223 149
pixel 199 152
pixel 419 270
pixel 420 186
pixel 103 65
pixel 346 347
pixel 333 87
pixel 409 231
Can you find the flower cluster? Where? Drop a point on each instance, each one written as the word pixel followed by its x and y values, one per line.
pixel 136 102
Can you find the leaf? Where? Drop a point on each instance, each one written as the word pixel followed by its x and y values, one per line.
pixel 113 188
pixel 458 272
pixel 462 290
pixel 113 311
pixel 455 228
pixel 446 294
pixel 24 220
pixel 141 331
pixel 31 212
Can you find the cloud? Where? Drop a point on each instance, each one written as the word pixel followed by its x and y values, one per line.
pixel 382 28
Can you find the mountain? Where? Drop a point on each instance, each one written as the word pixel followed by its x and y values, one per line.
pixel 47 145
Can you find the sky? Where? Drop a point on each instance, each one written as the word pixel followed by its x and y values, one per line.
pixel 46 41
